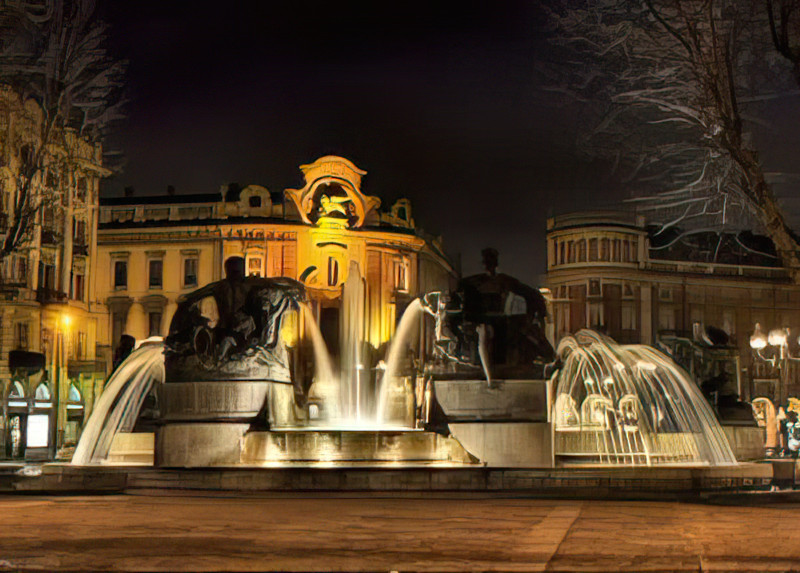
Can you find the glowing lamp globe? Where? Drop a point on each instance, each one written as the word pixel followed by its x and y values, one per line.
pixel 758 341
pixel 777 337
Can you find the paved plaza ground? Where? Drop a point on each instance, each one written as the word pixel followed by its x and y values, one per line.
pixel 384 533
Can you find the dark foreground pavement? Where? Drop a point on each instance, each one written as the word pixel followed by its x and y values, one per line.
pixel 384 533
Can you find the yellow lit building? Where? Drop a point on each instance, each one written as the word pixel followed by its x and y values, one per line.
pixel 50 370
pixel 151 250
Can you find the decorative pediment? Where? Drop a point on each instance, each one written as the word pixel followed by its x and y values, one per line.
pixel 332 195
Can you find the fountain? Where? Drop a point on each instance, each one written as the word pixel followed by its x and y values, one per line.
pixel 630 405
pixel 245 379
pixel 230 387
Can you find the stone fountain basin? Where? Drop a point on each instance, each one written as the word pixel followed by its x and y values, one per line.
pixel 502 401
pixel 351 446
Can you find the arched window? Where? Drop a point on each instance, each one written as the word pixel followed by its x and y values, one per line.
pixel 74 394
pixel 333 271
pixel 16 391
pixel 42 393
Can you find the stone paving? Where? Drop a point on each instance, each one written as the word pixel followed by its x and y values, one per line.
pixel 391 532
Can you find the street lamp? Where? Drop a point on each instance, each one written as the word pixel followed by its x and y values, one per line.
pixel 60 378
pixel 778 358
pixel 777 338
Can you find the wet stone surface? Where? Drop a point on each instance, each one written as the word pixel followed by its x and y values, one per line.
pixel 383 533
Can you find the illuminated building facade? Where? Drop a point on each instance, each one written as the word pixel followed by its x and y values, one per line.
pixel 50 367
pixel 610 272
pixel 151 250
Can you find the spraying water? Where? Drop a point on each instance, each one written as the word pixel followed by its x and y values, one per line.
pixel 631 405
pixel 326 383
pixel 409 323
pixel 354 380
pixel 120 403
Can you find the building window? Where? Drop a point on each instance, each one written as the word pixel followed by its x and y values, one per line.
pixel 400 276
pixel 729 321
pixel 593 253
pixel 80 346
pixel 154 324
pixel 604 250
pixel 629 317
pixel 595 314
pixel 81 189
pixel 156 275
pixel 17 391
pixel 666 318
pixel 254 267
pixel 627 291
pixel 665 294
pixel 594 287
pixel 333 271
pixel 21 335
pixel 255 201
pixel 21 271
pixel 626 251
pixel 581 251
pixel 190 272
pixel 121 274
pixel 78 286
pixel 572 252
pixel 47 276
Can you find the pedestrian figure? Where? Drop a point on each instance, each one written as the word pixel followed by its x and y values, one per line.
pixel 793 435
pixel 780 419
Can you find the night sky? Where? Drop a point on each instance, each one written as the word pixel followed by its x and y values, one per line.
pixel 437 102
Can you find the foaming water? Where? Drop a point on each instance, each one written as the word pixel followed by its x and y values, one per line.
pixel 631 405
pixel 120 403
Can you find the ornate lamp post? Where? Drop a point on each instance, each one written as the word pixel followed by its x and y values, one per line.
pixel 779 357
pixel 61 377
pixel 773 349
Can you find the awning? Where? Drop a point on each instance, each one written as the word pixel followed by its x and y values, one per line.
pixel 25 360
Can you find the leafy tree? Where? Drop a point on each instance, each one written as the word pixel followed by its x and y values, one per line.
pixel 670 90
pixel 52 53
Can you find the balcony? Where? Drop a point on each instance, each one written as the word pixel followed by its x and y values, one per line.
pixel 50 237
pixel 50 296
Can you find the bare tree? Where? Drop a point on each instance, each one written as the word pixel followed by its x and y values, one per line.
pixel 669 88
pixel 53 53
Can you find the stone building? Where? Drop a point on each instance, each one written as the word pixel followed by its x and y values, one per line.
pixel 151 250
pixel 50 366
pixel 611 272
